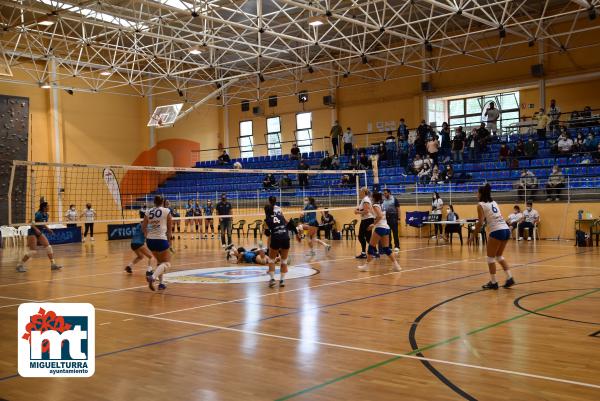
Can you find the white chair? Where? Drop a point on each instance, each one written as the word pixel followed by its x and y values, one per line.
pixel 23 231
pixel 9 234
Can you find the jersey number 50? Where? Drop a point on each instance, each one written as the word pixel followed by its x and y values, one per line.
pixel 155 213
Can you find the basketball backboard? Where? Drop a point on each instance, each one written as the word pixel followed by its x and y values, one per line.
pixel 164 116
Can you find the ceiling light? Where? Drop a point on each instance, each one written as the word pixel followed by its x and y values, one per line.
pixel 196 50
pixel 106 73
pixel 317 20
pixel 45 85
pixel 46 22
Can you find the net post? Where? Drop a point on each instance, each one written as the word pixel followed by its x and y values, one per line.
pixel 357 179
pixel 32 213
pixel 10 189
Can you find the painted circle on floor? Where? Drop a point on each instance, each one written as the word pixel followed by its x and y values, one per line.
pixel 234 274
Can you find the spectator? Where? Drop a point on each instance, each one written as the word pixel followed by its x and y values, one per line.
pixel 528 181
pixel 348 140
pixel 483 137
pixel 346 180
pixel 269 181
pixel 224 209
pixel 364 163
pixel 381 151
pixel 591 142
pixel 458 146
pixel 596 154
pixel 556 181
pixel 390 146
pixel 531 149
pixel 326 162
pixel 285 182
pixel 579 143
pixel 437 205
pixel 554 115
pixel 425 175
pixel 335 133
pixel 433 147
pixel 418 164
pixel 428 162
pixel 391 207
pixel 353 163
pixel 519 151
pixel 542 123
pixel 303 178
pixel 448 174
pixel 421 139
pixel 446 142
pixel 402 129
pixel 492 114
pixel 335 163
pixel 504 152
pixel 224 158
pixel 451 215
pixel 423 129
pixel 530 219
pixel 327 224
pixel 295 152
pixel 564 144
pixel 514 218
pixel 435 175
pixel 403 150
pixel 237 165
pixel 586 113
pixel 472 145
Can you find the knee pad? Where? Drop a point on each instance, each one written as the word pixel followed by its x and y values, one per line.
pixel 386 251
pixel 491 260
pixel 284 261
pixel 372 250
pixel 49 249
pixel 499 258
pixel 30 253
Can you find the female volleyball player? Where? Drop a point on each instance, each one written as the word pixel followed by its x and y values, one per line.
pixel 189 222
pixel 35 237
pixel 138 246
pixel 380 235
pixel 198 219
pixel 256 255
pixel 175 214
pixel 279 243
pixel 365 210
pixel 209 221
pixel 90 215
pixel 157 227
pixel 499 234
pixel 311 225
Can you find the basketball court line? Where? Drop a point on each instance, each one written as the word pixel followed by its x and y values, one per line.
pixel 393 354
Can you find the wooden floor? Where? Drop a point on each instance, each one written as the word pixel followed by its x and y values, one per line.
pixel 427 333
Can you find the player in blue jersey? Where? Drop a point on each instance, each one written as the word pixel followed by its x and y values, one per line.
pixel 311 225
pixel 208 220
pixel 175 214
pixel 36 236
pixel 189 213
pixel 279 244
pixel 138 246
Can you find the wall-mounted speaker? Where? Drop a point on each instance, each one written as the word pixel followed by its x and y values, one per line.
pixel 328 100
pixel 537 70
pixel 245 105
pixel 426 86
pixel 273 101
pixel 257 111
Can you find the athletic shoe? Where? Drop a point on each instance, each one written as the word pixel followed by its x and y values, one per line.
pixel 161 286
pixel 229 247
pixel 509 283
pixel 212 236
pixel 363 268
pixel 205 235
pixel 224 246
pixel 377 255
pixel 281 283
pixel 54 266
pixel 83 240
pixel 128 269
pixel 490 286
pixel 21 268
pixel 272 283
pixel 520 239
pixel 362 256
pixel 528 238
pixel 396 250
pixel 328 247
pixel 150 280
pixel 556 199
pixel 92 239
pixel 548 199
pixel 396 267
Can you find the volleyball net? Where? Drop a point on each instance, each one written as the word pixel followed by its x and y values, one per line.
pixel 117 193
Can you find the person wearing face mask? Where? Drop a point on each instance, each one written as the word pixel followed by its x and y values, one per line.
pixel 365 210
pixel 542 123
pixel 348 140
pixel 530 219
pixel 556 181
pixel 72 216
pixel 564 144
pixel 224 208
pixel 591 142
pixel 437 205
pixel 451 215
pixel 89 214
pixel 514 218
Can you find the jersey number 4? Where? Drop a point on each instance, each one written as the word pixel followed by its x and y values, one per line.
pixel 276 220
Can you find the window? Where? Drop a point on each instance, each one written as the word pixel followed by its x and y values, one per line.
pixel 436 112
pixel 304 132
pixel 274 136
pixel 246 139
pixel 470 111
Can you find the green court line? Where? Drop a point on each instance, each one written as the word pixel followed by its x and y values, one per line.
pixel 430 346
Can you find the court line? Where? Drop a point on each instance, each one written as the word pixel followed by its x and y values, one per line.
pixel 395 355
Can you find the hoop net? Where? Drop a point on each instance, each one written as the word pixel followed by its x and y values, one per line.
pixel 118 192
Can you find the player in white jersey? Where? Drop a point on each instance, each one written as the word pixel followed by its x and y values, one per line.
pixel 89 215
pixel 157 227
pixel 380 234
pixel 365 210
pixel 499 234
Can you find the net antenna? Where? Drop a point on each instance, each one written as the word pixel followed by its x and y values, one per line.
pixel 165 116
